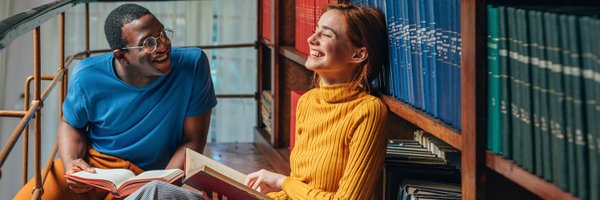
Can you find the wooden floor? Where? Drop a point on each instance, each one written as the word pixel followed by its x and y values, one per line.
pixel 249 157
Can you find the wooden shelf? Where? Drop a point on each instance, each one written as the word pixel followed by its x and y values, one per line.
pixel 531 182
pixel 291 53
pixel 424 121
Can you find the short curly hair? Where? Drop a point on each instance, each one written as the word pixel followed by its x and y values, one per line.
pixel 117 18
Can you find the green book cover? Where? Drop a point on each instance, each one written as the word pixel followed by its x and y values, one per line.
pixel 514 74
pixel 525 90
pixel 505 84
pixel 567 69
pixel 536 67
pixel 542 83
pixel 595 184
pixel 596 126
pixel 555 100
pixel 581 170
pixel 494 137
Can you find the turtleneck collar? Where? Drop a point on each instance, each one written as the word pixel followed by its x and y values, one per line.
pixel 338 93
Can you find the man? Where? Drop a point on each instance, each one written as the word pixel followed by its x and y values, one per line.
pixel 138 107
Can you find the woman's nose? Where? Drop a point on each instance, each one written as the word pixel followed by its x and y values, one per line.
pixel 312 39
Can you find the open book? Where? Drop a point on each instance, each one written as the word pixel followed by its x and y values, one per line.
pixel 123 182
pixel 201 172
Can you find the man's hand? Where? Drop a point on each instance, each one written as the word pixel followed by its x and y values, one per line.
pixel 265 180
pixel 76 166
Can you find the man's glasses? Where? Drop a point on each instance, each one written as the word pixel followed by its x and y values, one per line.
pixel 151 43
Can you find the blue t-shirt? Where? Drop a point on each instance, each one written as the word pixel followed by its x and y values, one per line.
pixel 141 124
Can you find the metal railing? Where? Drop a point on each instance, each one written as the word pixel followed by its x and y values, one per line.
pixel 20 24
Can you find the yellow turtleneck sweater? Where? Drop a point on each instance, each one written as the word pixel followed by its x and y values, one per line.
pixel 340 145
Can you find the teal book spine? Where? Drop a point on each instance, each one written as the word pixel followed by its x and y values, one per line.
pixel 514 74
pixel 494 137
pixel 536 67
pixel 581 170
pixel 525 99
pixel 542 74
pixel 568 106
pixel 596 130
pixel 555 100
pixel 505 84
pixel 587 63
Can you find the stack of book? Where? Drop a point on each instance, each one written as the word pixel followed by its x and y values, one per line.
pixel 412 159
pixel 266 109
pixel 413 189
pixel 439 148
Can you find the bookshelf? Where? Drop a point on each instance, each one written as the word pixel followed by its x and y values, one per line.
pixel 522 177
pixel 287 73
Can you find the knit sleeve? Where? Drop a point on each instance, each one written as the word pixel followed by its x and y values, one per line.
pixel 365 160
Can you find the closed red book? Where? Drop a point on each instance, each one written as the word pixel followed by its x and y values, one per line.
pixel 267 15
pixel 206 174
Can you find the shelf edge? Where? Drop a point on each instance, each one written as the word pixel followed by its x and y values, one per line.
pixel 424 121
pixel 291 53
pixel 525 179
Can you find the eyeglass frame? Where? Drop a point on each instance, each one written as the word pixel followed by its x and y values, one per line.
pixel 163 33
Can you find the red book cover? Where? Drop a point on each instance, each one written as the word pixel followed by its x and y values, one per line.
pixel 300 41
pixel 294 96
pixel 266 14
pixel 206 174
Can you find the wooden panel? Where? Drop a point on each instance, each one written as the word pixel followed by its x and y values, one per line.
pixel 295 77
pixel 496 185
pixel 399 128
pixel 525 179
pixel 473 109
pixel 287 30
pixel 425 121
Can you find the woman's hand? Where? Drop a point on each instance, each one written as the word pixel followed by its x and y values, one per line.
pixel 265 180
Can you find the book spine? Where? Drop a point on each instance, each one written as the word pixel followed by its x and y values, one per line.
pixel 493 82
pixel 505 84
pixel 555 100
pixel 431 45
pixel 581 170
pixel 568 106
pixel 534 46
pixel 515 84
pixel 525 81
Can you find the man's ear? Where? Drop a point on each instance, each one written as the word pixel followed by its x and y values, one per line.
pixel 119 55
pixel 359 55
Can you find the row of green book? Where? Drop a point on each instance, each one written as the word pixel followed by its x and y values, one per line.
pixel 544 89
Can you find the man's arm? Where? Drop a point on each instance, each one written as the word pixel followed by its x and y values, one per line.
pixel 72 144
pixel 72 147
pixel 195 131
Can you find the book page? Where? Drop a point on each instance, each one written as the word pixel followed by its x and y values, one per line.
pixel 116 176
pixel 152 174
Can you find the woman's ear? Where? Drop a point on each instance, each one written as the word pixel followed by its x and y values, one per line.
pixel 359 55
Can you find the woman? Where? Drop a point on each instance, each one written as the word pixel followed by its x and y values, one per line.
pixel 340 141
